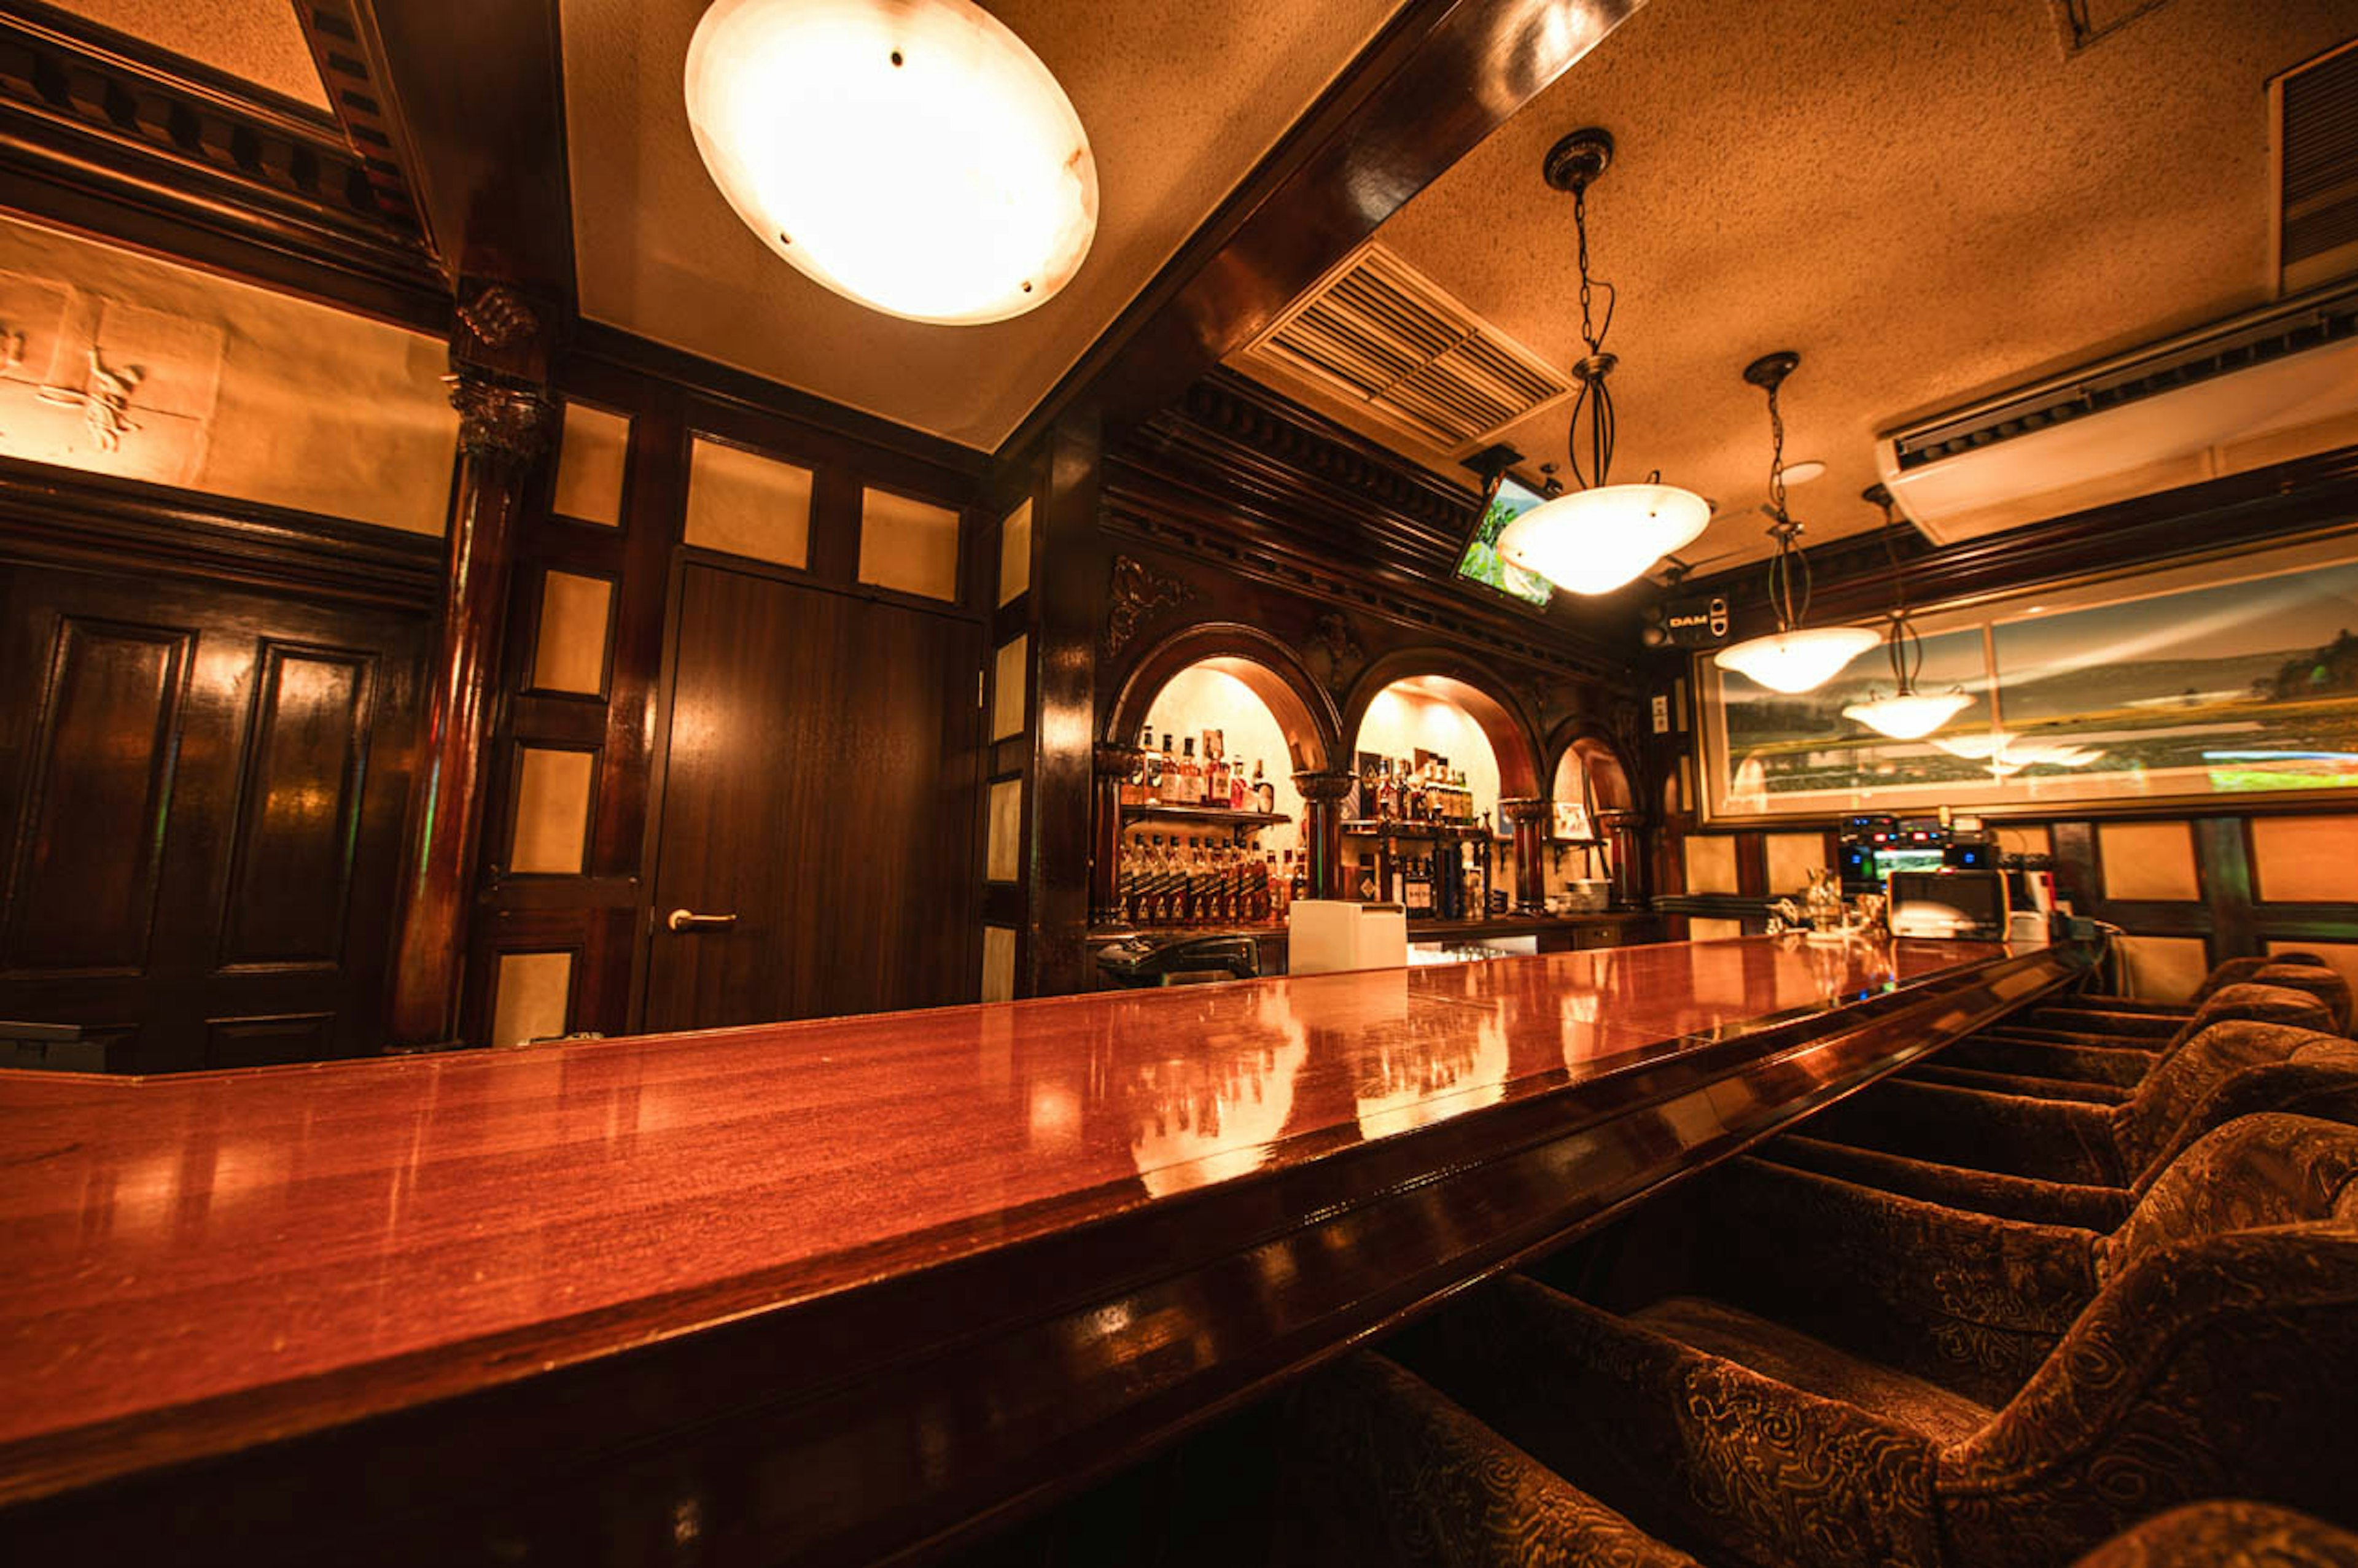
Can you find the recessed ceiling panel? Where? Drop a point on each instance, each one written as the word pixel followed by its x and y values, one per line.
pixel 1180 99
pixel 255 41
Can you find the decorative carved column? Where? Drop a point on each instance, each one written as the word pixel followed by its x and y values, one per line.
pixel 1322 829
pixel 1626 830
pixel 1114 764
pixel 1530 815
pixel 504 426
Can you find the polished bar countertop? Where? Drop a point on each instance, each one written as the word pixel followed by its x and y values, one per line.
pixel 268 1250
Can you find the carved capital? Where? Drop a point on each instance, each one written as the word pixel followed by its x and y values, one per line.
pixel 497 317
pixel 500 421
pixel 1527 808
pixel 1135 592
pixel 1114 761
pixel 1324 787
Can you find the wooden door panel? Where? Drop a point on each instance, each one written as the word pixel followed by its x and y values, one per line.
pixel 205 791
pixel 298 822
pixel 819 786
pixel 88 827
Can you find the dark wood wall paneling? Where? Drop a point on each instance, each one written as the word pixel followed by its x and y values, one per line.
pixel 1853 578
pixel 206 749
pixel 604 916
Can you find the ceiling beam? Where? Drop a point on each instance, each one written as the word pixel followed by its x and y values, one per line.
pixel 476 103
pixel 1442 76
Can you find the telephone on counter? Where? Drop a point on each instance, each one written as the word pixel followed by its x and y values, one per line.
pixel 1138 961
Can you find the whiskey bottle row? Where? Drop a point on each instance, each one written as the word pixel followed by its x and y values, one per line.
pixel 1452 882
pixel 1402 789
pixel 1167 778
pixel 1170 881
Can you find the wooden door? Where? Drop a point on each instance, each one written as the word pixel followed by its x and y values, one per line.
pixel 202 791
pixel 819 786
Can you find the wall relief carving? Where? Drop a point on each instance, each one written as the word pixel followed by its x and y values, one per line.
pixel 1136 593
pixel 1332 654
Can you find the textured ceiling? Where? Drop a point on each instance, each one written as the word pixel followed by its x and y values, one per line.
pixel 257 40
pixel 1927 201
pixel 1181 97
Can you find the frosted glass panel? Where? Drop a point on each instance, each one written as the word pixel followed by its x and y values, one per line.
pixel 747 504
pixel 590 458
pixel 552 811
pixel 570 655
pixel 529 1001
pixel 908 545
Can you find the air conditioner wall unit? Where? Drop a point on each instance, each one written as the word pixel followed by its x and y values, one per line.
pixel 2276 384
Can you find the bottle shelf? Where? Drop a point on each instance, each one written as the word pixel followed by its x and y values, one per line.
pixel 1438 831
pixel 1203 816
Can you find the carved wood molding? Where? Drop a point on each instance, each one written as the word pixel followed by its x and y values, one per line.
pixel 1136 593
pixel 1237 476
pixel 104 134
pixel 57 516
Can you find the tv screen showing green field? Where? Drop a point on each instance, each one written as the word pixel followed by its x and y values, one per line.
pixel 1481 562
pixel 2237 677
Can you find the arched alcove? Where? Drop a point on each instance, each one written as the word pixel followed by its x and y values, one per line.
pixel 1465 685
pixel 1266 668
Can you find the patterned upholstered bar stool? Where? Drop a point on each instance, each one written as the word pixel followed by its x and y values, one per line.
pixel 1387 1472
pixel 1849 1380
pixel 2067 1161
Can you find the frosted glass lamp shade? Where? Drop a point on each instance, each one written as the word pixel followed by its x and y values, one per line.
pixel 1911 716
pixel 1797 661
pixel 912 155
pixel 1592 541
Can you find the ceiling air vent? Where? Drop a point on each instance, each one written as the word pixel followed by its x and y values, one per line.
pixel 2273 385
pixel 2317 235
pixel 1377 338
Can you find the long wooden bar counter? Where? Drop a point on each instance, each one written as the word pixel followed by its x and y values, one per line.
pixel 834 1289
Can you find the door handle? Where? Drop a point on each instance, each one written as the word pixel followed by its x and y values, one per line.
pixel 689 920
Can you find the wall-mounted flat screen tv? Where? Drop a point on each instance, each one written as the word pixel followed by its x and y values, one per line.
pixel 1481 560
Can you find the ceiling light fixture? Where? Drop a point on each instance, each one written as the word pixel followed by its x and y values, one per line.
pixel 911 155
pixel 1907 714
pixel 1793 658
pixel 1599 536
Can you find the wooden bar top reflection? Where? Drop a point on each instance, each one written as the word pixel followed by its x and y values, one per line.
pixel 196 1268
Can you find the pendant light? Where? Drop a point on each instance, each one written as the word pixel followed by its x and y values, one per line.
pixel 1907 714
pixel 1793 658
pixel 1599 536
pixel 911 155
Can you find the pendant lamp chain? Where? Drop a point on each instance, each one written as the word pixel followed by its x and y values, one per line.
pixel 1789 566
pixel 1905 645
pixel 1592 401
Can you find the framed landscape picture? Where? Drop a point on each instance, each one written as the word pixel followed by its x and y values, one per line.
pixel 2228 678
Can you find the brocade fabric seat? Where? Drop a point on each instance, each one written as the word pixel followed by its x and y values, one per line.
pixel 1843 1378
pixel 2066 1161
pixel 2228 1534
pixel 1383 1470
pixel 2228 972
pixel 2018 1059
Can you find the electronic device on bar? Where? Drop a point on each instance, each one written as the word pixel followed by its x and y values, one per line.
pixel 1874 848
pixel 1949 902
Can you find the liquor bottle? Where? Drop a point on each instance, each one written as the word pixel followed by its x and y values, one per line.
pixel 1298 878
pixel 1241 796
pixel 1413 801
pixel 1368 890
pixel 1191 775
pixel 1387 802
pixel 1215 776
pixel 1264 792
pixel 1158 771
pixel 1272 891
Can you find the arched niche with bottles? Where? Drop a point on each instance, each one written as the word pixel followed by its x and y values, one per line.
pixel 1201 821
